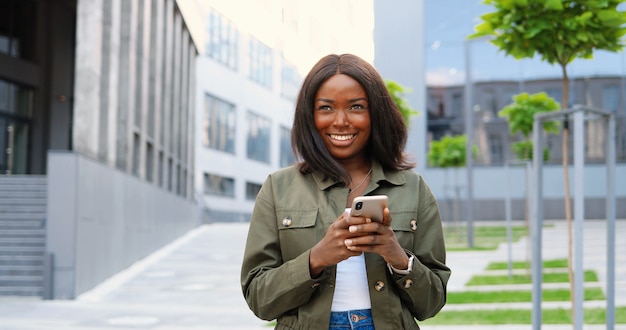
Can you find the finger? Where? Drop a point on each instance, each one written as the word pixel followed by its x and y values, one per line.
pixel 352 220
pixel 367 240
pixel 369 227
pixel 386 217
pixel 342 221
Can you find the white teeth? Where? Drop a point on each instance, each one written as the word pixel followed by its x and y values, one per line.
pixel 341 137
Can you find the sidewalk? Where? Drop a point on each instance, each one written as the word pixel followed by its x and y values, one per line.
pixel 193 283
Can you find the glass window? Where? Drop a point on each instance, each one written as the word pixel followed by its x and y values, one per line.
pixel 457 105
pixel 290 81
pixel 490 103
pixel 497 150
pixel 18 29
pixel 610 98
pixel 258 144
pixel 223 40
pixel 219 125
pixel 286 153
pixel 252 189
pixel 16 99
pixel 219 185
pixel 261 63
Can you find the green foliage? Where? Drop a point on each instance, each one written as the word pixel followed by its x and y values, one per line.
pixel 398 93
pixel 520 116
pixel 558 30
pixel 524 150
pixel 448 152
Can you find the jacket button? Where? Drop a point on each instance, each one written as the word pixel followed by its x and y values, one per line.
pixel 379 286
pixel 408 283
pixel 315 285
pixel 286 221
pixel 413 225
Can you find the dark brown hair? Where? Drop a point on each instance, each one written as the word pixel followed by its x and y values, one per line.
pixel 389 132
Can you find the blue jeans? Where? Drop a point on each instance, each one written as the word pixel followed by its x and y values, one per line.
pixel 353 320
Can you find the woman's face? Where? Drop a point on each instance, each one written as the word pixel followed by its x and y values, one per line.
pixel 342 117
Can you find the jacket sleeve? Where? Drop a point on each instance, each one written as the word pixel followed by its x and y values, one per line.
pixel 270 285
pixel 424 289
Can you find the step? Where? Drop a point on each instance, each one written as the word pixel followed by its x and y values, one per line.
pixel 21 260
pixel 13 224
pixel 23 208
pixel 23 179
pixel 23 199
pixel 21 270
pixel 19 216
pixel 22 242
pixel 35 231
pixel 21 280
pixel 21 291
pixel 22 251
pixel 15 193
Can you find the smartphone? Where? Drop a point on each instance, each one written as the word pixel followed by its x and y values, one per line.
pixel 369 206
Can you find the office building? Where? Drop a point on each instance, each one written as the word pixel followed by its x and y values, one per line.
pixel 248 80
pixel 96 138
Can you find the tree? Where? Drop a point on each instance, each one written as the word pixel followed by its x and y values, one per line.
pixel 520 116
pixel 560 31
pixel 398 93
pixel 449 152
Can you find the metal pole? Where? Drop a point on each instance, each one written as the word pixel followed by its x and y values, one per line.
pixel 507 207
pixel 610 216
pixel 536 222
pixel 579 214
pixel 468 146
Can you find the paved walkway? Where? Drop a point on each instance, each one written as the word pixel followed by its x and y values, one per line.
pixel 193 284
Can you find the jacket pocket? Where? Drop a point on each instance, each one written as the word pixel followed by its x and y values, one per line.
pixel 405 225
pixel 296 231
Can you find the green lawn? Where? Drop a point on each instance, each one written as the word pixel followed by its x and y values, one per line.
pixel 521 316
pixel 558 263
pixel 484 237
pixel 482 297
pixel 590 276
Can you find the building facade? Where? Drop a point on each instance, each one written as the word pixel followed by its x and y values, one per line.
pixel 446 116
pixel 96 109
pixel 423 45
pixel 248 80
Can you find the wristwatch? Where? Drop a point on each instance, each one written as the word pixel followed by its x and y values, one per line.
pixel 406 271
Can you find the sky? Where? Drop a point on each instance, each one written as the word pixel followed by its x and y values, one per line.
pixel 449 22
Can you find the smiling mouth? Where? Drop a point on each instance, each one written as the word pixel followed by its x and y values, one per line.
pixel 342 137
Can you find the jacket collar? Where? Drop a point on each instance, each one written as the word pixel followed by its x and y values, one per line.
pixel 379 175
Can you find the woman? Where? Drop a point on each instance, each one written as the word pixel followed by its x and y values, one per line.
pixel 310 265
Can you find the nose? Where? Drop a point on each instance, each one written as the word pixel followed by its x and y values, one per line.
pixel 341 119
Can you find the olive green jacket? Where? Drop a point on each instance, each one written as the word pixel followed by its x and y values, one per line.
pixel 292 213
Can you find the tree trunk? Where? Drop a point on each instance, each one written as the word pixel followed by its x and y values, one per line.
pixel 568 207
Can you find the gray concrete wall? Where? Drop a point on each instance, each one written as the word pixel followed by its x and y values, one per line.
pixel 101 221
pixel 492 184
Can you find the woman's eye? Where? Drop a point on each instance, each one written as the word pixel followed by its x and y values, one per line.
pixel 358 107
pixel 324 107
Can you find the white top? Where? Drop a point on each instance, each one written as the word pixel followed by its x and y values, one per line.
pixel 351 289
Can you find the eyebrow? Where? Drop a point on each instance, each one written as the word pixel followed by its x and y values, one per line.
pixel 350 101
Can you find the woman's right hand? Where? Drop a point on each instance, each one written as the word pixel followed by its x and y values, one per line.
pixel 332 248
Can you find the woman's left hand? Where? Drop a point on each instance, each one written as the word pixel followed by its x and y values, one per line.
pixel 378 238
